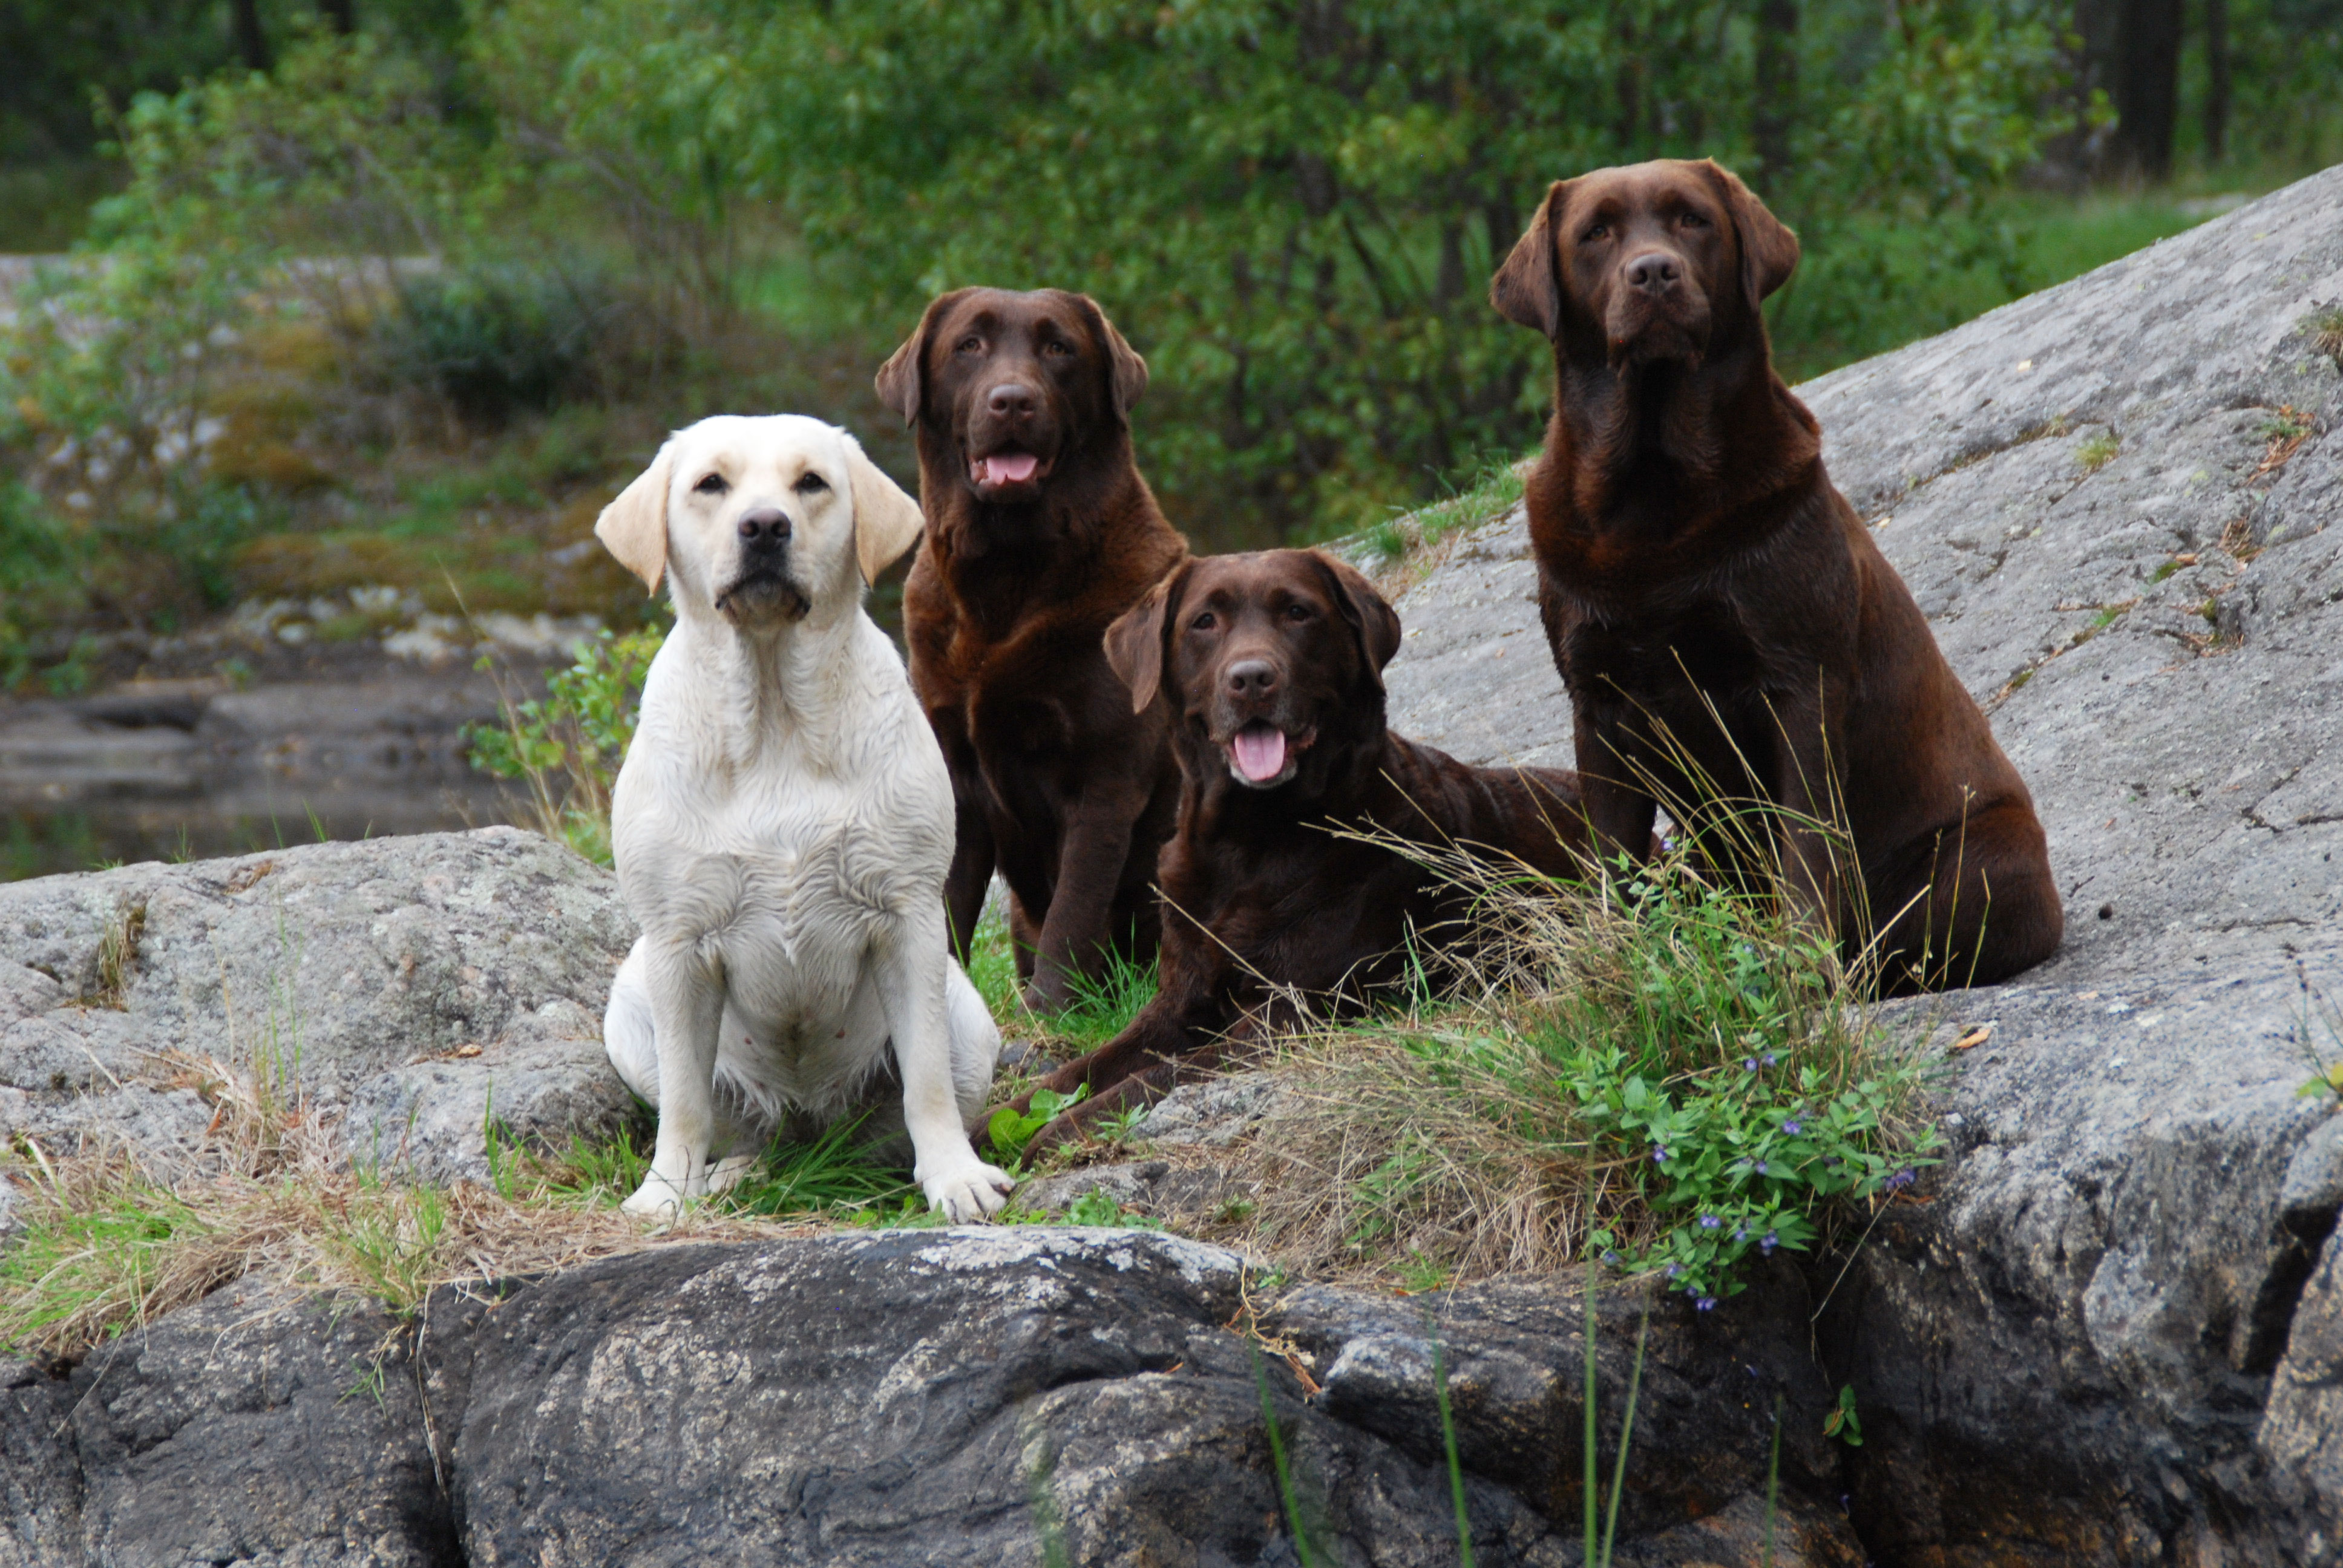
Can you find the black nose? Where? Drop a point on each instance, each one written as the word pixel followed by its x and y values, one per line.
pixel 1655 271
pixel 764 525
pixel 1252 678
pixel 1012 400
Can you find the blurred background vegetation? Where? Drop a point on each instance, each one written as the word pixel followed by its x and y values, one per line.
pixel 394 294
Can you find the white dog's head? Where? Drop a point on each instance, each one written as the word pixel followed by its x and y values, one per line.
pixel 760 521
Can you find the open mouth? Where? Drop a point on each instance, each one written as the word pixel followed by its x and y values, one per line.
pixel 1261 755
pixel 1006 470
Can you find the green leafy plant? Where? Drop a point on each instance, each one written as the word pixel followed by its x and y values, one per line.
pixel 2097 450
pixel 1098 1207
pixel 1010 1130
pixel 1843 1422
pixel 1736 1136
pixel 568 745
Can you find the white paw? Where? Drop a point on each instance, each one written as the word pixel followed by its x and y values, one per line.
pixel 969 1194
pixel 657 1198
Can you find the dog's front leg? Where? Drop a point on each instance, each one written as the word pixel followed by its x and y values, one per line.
pixel 1090 869
pixel 1619 811
pixel 687 996
pixel 911 969
pixel 1810 818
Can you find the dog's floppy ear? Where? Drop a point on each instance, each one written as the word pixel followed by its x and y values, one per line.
pixel 903 381
pixel 1373 622
pixel 1126 371
pixel 1769 251
pixel 634 526
pixel 1134 643
pixel 1528 288
pixel 887 522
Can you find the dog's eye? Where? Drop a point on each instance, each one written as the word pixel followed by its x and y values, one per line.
pixel 968 345
pixel 1205 622
pixel 712 485
pixel 1692 220
pixel 1057 350
pixel 1600 231
pixel 1297 611
pixel 810 484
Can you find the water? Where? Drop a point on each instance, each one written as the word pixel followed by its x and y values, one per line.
pixel 189 769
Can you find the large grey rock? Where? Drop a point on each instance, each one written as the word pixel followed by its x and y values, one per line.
pixel 946 1397
pixel 254 1428
pixel 2115 1334
pixel 418 985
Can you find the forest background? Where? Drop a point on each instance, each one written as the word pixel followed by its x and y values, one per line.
pixel 382 299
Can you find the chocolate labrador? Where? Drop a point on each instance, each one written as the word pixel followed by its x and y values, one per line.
pixel 1728 633
pixel 1040 532
pixel 1274 667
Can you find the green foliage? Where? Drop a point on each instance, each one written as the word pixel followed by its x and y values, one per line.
pixel 570 744
pixel 1293 214
pixel 1601 1522
pixel 2096 451
pixel 1098 1207
pixel 1843 1422
pixel 1010 1131
pixel 499 339
pixel 1707 1065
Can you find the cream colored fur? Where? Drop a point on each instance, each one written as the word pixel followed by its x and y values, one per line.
pixel 782 827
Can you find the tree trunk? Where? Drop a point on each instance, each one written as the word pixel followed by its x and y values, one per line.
pixel 1777 92
pixel 2216 79
pixel 342 14
pixel 2148 84
pixel 243 26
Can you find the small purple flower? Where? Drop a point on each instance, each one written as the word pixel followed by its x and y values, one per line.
pixel 1903 1177
pixel 1674 1269
pixel 1659 1153
pixel 1762 1169
pixel 1711 1222
pixel 1612 1259
pixel 1767 1059
pixel 1748 1064
pixel 1740 1233
pixel 1706 1303
pixel 1792 1127
pixel 1770 1239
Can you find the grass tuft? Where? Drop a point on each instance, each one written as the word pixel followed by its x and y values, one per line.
pixel 1668 1073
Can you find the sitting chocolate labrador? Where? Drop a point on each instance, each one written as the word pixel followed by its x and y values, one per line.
pixel 1040 532
pixel 1273 665
pixel 1727 630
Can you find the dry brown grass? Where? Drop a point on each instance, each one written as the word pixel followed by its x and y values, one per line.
pixel 116 1236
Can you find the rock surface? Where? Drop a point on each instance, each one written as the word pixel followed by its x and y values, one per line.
pixel 2115 1335
pixel 946 1397
pixel 416 984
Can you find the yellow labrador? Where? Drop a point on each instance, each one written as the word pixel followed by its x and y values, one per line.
pixel 783 824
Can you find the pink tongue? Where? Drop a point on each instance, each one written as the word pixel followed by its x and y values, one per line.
pixel 1260 751
pixel 1009 467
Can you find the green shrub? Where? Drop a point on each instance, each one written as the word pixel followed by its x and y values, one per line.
pixel 499 340
pixel 568 745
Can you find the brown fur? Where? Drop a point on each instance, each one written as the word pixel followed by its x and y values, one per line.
pixel 1262 899
pixel 1059 784
pixel 1695 563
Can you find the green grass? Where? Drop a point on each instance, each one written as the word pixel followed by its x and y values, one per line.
pixel 1487 492
pixel 1103 1008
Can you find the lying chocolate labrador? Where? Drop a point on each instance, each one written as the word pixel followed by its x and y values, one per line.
pixel 1040 532
pixel 1274 667
pixel 1726 627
